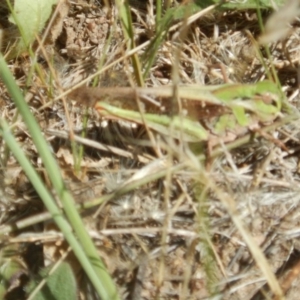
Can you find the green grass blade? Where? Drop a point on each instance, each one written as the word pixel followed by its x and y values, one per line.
pixel 47 199
pixel 96 271
pixel 126 21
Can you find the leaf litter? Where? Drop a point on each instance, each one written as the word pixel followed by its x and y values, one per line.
pixel 166 231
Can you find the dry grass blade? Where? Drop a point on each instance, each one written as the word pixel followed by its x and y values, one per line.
pixel 278 26
pixel 172 214
pixel 258 255
pixel 99 146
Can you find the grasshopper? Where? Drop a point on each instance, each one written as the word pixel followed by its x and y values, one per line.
pixel 198 113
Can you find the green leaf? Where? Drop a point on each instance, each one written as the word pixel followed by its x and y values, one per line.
pixel 8 269
pixel 30 17
pixel 60 285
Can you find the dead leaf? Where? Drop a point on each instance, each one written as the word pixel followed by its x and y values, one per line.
pixel 60 13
